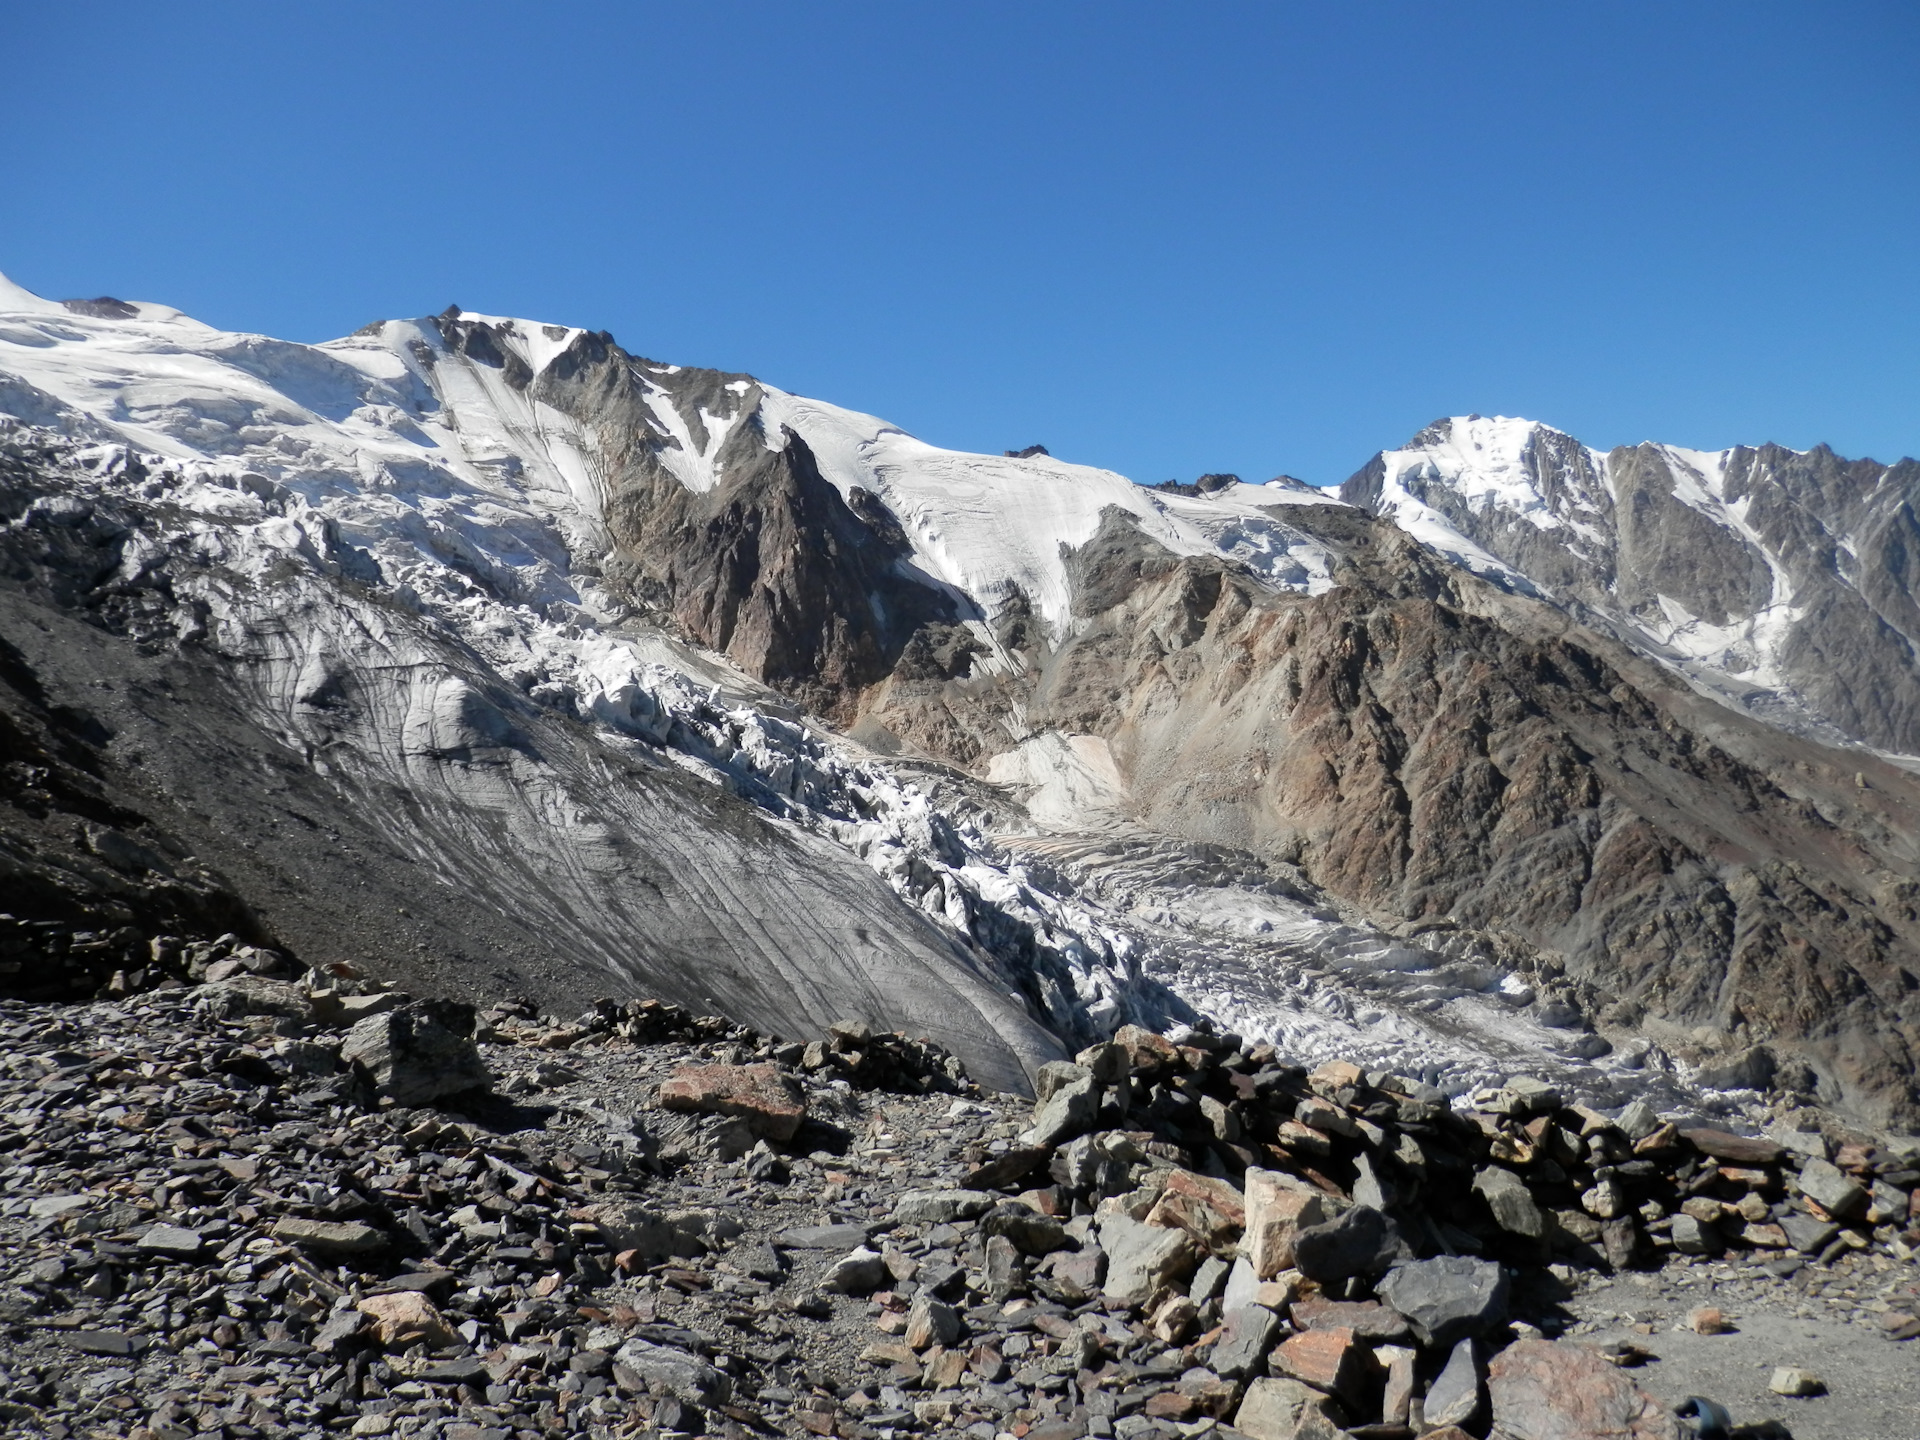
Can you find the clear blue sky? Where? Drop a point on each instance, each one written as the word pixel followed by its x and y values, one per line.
pixel 1163 238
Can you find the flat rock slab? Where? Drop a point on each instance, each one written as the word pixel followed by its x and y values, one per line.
pixel 102 1342
pixel 1368 1319
pixel 757 1094
pixel 172 1240
pixel 330 1237
pixel 821 1237
pixel 1735 1149
pixel 52 1207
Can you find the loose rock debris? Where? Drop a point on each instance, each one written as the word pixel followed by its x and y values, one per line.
pixel 218 1223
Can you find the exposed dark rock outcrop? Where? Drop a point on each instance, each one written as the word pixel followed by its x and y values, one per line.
pixel 805 590
pixel 1421 742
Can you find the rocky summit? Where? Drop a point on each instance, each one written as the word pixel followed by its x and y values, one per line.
pixel 227 1215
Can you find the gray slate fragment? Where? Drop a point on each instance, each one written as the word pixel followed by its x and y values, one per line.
pixel 1694 1237
pixel 1141 1258
pixel 821 1237
pixel 1809 1236
pixel 1070 1110
pixel 1830 1187
pixel 1512 1203
pixel 330 1237
pixel 1454 1396
pixel 1358 1241
pixel 941 1207
pixel 171 1240
pixel 1245 1338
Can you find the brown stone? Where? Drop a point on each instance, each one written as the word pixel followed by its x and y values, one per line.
pixel 944 1369
pixel 1276 1212
pixel 1337 1075
pixel 1549 1390
pixel 1293 1136
pixel 1147 1053
pixel 1330 1360
pixel 406 1318
pixel 758 1094
pixel 1212 1211
pixel 1738 1149
pixel 1709 1320
pixel 1172 1405
pixel 1659 1141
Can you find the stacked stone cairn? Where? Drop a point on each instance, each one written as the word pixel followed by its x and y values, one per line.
pixel 1339 1252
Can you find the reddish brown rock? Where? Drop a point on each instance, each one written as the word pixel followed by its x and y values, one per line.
pixel 1547 1390
pixel 1212 1211
pixel 758 1094
pixel 1333 1361
pixel 1172 1405
pixel 1147 1053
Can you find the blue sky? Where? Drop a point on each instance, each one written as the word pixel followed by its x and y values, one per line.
pixel 1164 239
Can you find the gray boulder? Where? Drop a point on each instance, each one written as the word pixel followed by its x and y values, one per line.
pixel 1141 1258
pixel 1358 1241
pixel 686 1377
pixel 1454 1396
pixel 1809 1236
pixel 1448 1298
pixel 1245 1338
pixel 1070 1109
pixel 941 1207
pixel 419 1053
pixel 1830 1187
pixel 1510 1201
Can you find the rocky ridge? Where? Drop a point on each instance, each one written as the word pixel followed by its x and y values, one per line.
pixel 265 1206
pixel 1779 580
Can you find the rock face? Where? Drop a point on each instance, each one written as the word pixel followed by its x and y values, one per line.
pixel 769 564
pixel 1424 743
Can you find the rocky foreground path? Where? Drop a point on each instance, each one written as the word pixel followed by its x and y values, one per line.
pixel 256 1208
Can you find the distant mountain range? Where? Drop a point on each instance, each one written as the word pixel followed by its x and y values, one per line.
pixel 484 647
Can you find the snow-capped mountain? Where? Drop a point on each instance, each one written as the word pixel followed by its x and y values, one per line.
pixel 481 644
pixel 1781 581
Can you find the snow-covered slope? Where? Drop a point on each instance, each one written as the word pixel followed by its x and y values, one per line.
pixel 991 526
pixel 391 547
pixel 1777 580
